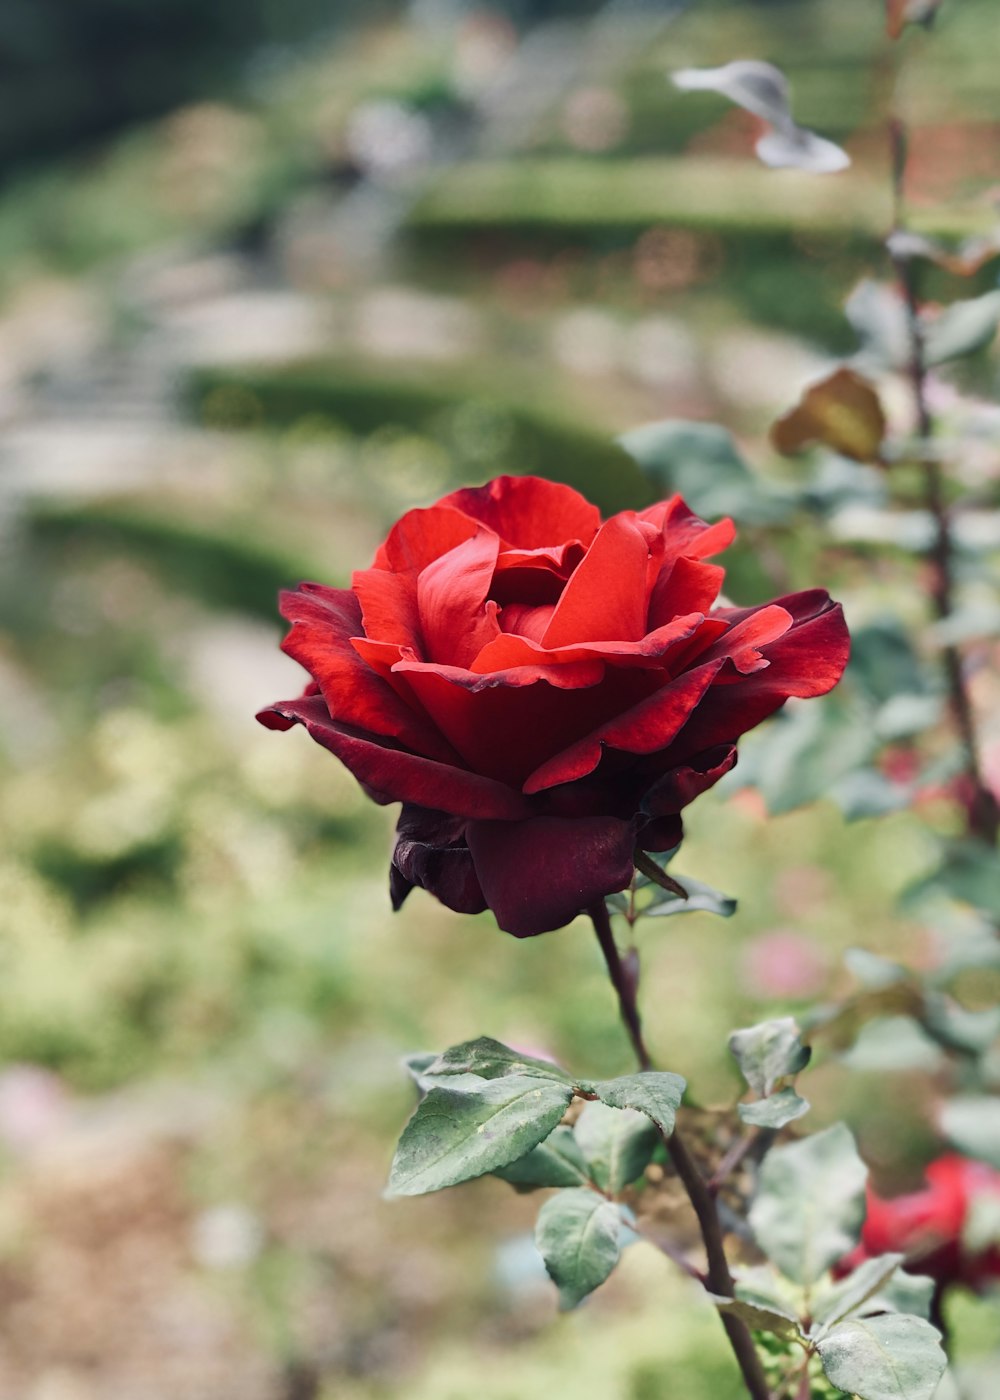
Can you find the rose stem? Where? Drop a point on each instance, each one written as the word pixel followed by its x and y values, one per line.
pixel 623 983
pixel 718 1279
pixel 983 809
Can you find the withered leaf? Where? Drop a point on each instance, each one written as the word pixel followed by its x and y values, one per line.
pixel 842 411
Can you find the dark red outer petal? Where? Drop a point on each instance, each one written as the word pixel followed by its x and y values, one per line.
pixel 394 775
pixel 538 875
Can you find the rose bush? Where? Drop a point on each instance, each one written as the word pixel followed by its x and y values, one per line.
pixel 932 1226
pixel 542 691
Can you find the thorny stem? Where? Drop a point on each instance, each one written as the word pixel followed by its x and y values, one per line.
pixel 983 809
pixel 718 1279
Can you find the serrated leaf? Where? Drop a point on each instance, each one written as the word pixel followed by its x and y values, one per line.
pixel 972 1123
pixel 776 1111
pixel 489 1059
pixel 842 411
pixel 841 1299
pixel 701 899
pixel 579 1236
pixel 891 1357
pixel 657 1094
pixel 557 1161
pixel 768 1052
pixel 760 1318
pixel 617 1144
pixel 458 1134
pixel 810 1203
pixel 765 1287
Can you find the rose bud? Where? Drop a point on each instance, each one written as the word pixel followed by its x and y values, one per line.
pixel 543 691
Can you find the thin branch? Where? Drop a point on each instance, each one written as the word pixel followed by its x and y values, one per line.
pixel 718 1278
pixel 983 808
pixel 622 981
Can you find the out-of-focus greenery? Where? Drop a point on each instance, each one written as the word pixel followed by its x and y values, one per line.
pixel 196 935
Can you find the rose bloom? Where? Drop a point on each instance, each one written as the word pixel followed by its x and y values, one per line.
pixel 542 691
pixel 928 1225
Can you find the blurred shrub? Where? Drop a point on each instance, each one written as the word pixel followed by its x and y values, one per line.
pixel 73 70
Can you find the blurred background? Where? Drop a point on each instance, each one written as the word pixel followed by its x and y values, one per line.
pixel 269 275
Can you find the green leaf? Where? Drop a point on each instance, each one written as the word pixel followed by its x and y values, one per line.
pixel 490 1060
pixel 776 1111
pixel 769 1052
pixel 701 899
pixel 904 1293
pixel 961 328
pixel 970 872
pixel 760 1318
pixel 872 970
pixel 973 1124
pixel 700 461
pixel 850 1294
pixel 460 1133
pixel 617 1144
pixel 892 1043
pixel 891 1357
pixel 416 1065
pixel 981 1229
pixel 655 1093
pixel 557 1161
pixel 579 1235
pixel 810 1203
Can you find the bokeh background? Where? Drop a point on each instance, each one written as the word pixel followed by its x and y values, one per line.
pixel 269 275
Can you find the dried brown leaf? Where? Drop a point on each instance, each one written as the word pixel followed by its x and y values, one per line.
pixel 843 412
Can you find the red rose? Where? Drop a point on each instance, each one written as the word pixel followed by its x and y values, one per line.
pixel 929 1225
pixel 541 691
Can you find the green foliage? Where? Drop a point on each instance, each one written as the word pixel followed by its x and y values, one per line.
pixel 769 1052
pixel 457 1134
pixel 777 1111
pixel 617 1144
pixel 579 1235
pixel 558 1161
pixel 656 1094
pixel 810 1203
pixel 972 1123
pixel 884 1358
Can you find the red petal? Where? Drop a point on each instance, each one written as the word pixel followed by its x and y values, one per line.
pixel 686 534
pixel 743 642
pixel 605 600
pixel 421 536
pixel 506 723
pixel 389 607
pixel 455 619
pixel 807 660
pixel 529 512
pixel 538 875
pixel 394 775
pixel 687 586
pixel 645 728
pixel 323 623
pixel 678 787
pixel 660 649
